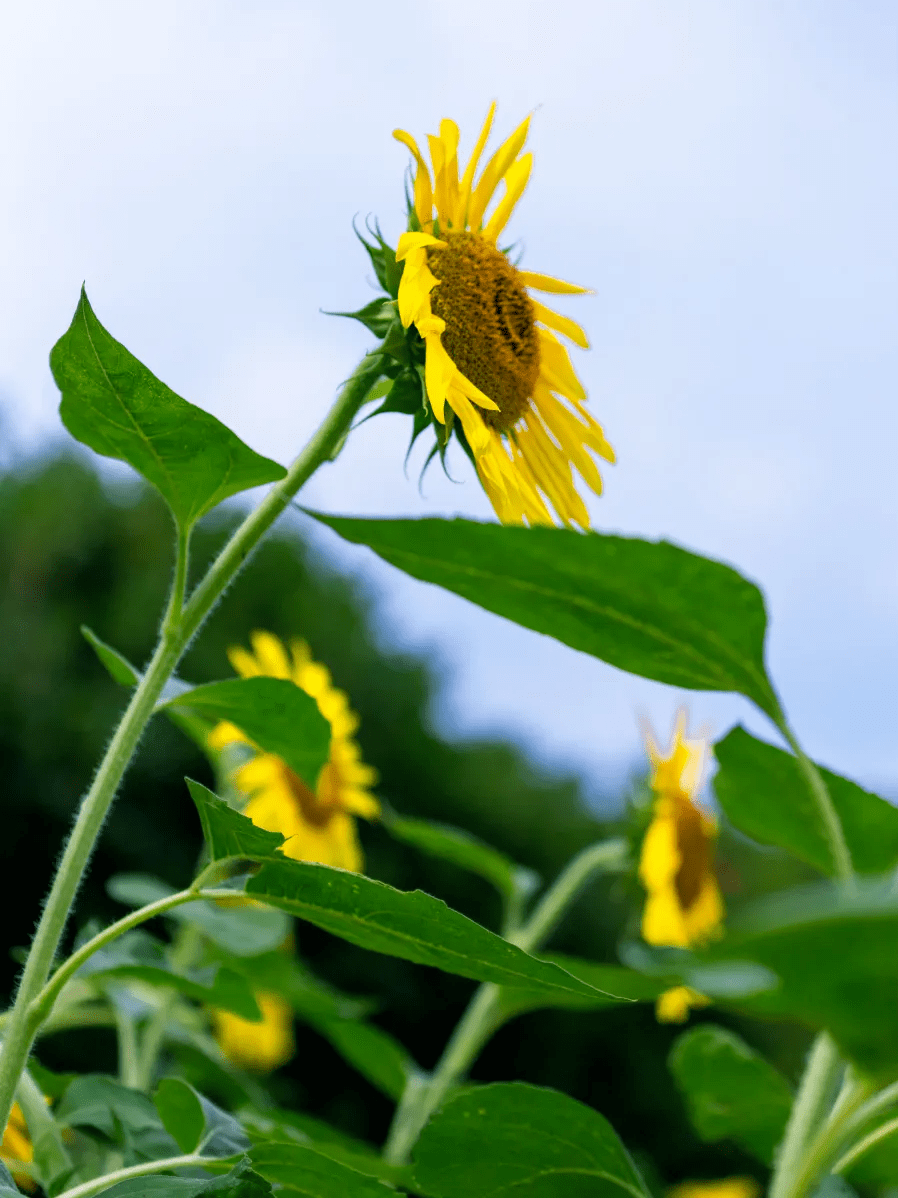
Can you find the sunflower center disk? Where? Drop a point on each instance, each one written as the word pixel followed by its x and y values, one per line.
pixel 490 334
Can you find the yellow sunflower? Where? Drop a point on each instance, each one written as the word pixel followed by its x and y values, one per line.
pixel 683 902
pixel 320 824
pixel 261 1045
pixel 16 1146
pixel 728 1187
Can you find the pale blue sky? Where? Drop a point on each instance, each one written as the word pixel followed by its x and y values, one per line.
pixel 723 174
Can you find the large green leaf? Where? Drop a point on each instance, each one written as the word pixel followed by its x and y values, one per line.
pixel 299 1128
pixel 102 1105
pixel 833 950
pixel 227 832
pixel 464 850
pixel 273 712
pixel 764 793
pixel 372 1051
pixel 412 925
pixel 522 1141
pixel 244 930
pixel 731 1092
pixel 645 606
pixel 240 1182
pixel 113 404
pixel 300 1169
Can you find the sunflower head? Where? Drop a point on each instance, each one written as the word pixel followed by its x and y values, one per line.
pixel 466 348
pixel 319 824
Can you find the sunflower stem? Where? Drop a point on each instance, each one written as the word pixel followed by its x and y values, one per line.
pixel 189 1160
pixel 482 1016
pixel 809 1110
pixel 180 624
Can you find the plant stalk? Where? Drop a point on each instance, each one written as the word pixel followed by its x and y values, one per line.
pixel 179 627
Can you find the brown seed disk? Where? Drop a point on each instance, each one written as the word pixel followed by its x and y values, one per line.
pixel 490 334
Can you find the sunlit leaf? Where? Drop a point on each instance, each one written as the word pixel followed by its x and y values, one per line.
pixel 113 404
pixel 228 833
pixel 648 607
pixel 412 925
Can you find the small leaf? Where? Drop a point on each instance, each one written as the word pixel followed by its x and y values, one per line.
pixel 243 930
pixel 764 794
pixel 300 1169
pixel 459 847
pixel 373 1052
pixel 414 926
pixel 376 316
pixel 197 1124
pixel 114 405
pixel 241 1182
pixel 228 833
pixel 644 606
pixel 731 1092
pixel 273 713
pixel 118 667
pixel 127 1117
pixel 510 1140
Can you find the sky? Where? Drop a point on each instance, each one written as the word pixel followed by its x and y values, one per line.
pixel 722 175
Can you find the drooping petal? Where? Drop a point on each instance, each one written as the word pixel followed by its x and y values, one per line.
pixel 556 368
pixel 423 189
pixel 439 371
pixel 561 324
pixel 270 654
pixel 415 241
pixel 476 431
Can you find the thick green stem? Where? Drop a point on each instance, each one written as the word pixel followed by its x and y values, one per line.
pixel 480 1019
pixel 832 825
pixel 87 1188
pixel 809 1110
pixel 179 628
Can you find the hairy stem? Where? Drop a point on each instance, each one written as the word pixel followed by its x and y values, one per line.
pixel 179 627
pixel 481 1018
pixel 95 1186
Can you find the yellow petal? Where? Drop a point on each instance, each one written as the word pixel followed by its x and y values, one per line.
pixel 561 324
pixel 243 662
pixel 539 282
pixel 225 734
pixel 271 655
pixel 464 198
pixel 516 180
pixel 415 286
pixel 439 371
pixel 423 190
pixel 415 241
pixel 476 432
pixel 555 367
pixel 674 1005
pixel 494 171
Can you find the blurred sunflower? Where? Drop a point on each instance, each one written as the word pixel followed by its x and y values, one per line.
pixel 16 1147
pixel 728 1187
pixel 473 352
pixel 683 901
pixel 319 824
pixel 261 1045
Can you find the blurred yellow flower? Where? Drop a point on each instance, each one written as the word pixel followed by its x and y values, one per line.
pixel 16 1146
pixel 493 353
pixel 683 901
pixel 729 1187
pixel 320 824
pixel 261 1046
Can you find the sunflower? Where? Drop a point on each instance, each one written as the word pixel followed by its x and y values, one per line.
pixel 16 1147
pixel 260 1045
pixel 683 904
pixel 319 824
pixel 728 1187
pixel 480 356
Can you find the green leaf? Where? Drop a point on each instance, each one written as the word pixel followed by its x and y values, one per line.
pixel 462 849
pixel 648 607
pixel 376 316
pixel 614 986
pixel 298 1127
pixel 197 1124
pixel 101 1104
pixel 228 990
pixel 118 408
pixel 300 1169
pixel 764 794
pixel 118 666
pixel 525 1142
pixel 241 930
pixel 372 1051
pixel 273 712
pixel 414 926
pixel 228 833
pixel 731 1092
pixel 313 1000
pixel 833 951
